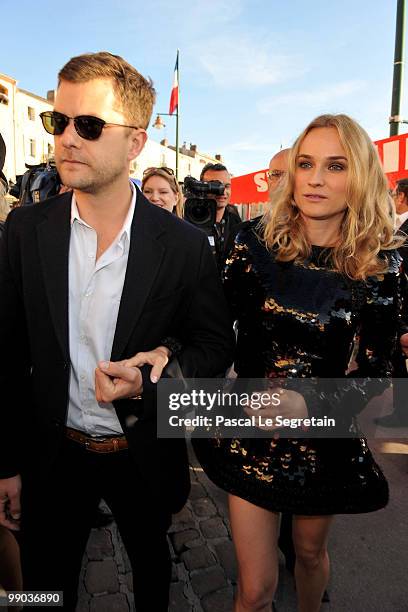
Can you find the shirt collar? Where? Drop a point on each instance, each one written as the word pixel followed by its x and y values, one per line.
pixel 400 219
pixel 127 226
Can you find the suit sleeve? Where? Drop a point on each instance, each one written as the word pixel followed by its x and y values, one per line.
pixel 206 339
pixel 14 356
pixel 207 336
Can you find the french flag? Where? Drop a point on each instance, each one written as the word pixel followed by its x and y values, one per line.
pixel 174 98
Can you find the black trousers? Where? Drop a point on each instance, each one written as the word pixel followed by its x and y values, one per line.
pixel 57 513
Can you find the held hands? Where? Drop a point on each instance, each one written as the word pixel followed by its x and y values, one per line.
pixel 114 380
pixel 10 512
pixel 158 358
pixel 283 402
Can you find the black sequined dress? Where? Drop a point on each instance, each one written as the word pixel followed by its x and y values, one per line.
pixel 300 319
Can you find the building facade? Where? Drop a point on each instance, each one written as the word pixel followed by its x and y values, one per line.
pixel 28 143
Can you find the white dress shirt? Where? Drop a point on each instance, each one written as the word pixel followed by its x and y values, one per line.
pixel 95 290
pixel 400 219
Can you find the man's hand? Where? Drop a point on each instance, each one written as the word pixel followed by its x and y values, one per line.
pixel 291 406
pixel 114 380
pixel 10 511
pixel 158 358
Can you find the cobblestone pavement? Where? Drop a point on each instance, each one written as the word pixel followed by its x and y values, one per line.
pixel 204 567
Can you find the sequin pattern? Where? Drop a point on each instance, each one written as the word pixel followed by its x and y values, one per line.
pixel 301 320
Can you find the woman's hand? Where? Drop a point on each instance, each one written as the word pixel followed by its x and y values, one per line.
pixel 158 358
pixel 283 403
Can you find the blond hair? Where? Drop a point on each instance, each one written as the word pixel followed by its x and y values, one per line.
pixel 368 224
pixel 135 93
pixel 173 184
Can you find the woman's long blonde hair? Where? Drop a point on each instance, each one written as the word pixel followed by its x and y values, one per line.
pixel 168 176
pixel 368 224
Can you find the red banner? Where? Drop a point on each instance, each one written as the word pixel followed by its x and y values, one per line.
pixel 253 188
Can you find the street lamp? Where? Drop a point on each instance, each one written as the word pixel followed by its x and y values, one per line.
pixel 159 125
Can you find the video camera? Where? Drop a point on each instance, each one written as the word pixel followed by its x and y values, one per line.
pixel 41 181
pixel 199 208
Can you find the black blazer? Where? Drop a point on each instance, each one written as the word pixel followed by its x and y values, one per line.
pixel 171 289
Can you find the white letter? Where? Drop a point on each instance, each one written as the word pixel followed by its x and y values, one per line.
pixel 260 182
pixel 173 403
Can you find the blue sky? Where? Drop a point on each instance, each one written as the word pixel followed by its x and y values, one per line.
pixel 253 72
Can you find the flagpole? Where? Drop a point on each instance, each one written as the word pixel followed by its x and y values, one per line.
pixel 177 118
pixel 173 107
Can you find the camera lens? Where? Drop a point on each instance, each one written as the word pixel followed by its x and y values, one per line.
pixel 199 213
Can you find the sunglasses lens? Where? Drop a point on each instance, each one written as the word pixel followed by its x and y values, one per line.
pixel 54 123
pixel 89 128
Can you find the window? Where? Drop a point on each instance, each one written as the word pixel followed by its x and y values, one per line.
pixel 3 95
pixel 32 147
pixel 31 113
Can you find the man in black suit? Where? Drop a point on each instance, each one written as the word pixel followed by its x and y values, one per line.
pixel 87 279
pixel 399 416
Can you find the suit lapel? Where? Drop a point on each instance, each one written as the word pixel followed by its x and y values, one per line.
pixel 53 242
pixel 145 256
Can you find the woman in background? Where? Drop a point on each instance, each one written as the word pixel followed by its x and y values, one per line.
pixel 160 186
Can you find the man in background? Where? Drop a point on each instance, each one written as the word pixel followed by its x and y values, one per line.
pixel 399 416
pixel 277 169
pixel 227 217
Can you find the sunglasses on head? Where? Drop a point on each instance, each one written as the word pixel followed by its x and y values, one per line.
pixel 169 171
pixel 86 126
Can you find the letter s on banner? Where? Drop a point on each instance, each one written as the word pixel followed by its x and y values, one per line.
pixel 261 182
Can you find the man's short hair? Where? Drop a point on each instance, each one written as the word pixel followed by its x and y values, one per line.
pixel 135 93
pixel 402 187
pixel 214 168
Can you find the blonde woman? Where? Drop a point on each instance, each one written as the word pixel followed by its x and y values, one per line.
pixel 160 186
pixel 320 268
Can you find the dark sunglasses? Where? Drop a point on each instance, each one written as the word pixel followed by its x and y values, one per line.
pixel 86 126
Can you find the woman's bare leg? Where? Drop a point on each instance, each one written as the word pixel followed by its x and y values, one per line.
pixel 255 533
pixel 310 536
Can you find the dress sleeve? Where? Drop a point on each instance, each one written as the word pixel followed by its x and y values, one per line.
pixel 381 321
pixel 380 318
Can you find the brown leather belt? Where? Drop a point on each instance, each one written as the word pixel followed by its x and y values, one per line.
pixel 108 444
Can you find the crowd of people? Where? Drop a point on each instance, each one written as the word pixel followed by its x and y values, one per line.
pixel 105 289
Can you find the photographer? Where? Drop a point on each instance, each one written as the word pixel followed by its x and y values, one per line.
pixel 227 218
